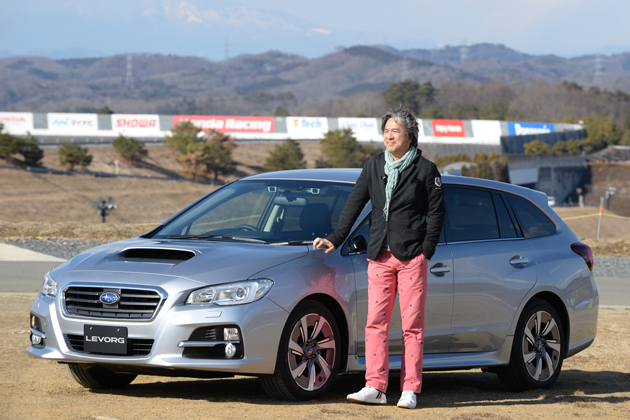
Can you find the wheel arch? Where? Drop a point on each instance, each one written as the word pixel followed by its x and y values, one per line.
pixel 342 322
pixel 555 301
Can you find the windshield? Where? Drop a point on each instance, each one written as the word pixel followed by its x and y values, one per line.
pixel 266 210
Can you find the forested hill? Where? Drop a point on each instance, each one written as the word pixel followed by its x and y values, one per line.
pixel 336 84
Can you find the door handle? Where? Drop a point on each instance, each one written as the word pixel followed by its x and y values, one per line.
pixel 440 269
pixel 518 260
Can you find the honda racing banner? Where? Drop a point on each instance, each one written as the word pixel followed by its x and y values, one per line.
pixel 307 127
pixel 229 124
pixel 73 124
pixel 363 129
pixel 526 128
pixel 17 123
pixel 136 125
pixel 448 128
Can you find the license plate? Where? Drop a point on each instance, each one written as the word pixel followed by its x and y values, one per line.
pixel 107 340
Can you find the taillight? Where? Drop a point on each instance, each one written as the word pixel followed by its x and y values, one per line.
pixel 585 252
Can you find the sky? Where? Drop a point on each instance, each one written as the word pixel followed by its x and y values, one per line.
pixel 216 29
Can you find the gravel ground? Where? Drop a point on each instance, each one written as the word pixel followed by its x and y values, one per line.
pixel 60 248
pixel 65 248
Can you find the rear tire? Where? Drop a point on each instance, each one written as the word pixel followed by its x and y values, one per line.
pixel 97 377
pixel 537 351
pixel 308 355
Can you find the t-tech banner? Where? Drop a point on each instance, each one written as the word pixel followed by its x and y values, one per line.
pixel 229 124
pixel 364 129
pixel 81 124
pixel 519 128
pixel 448 128
pixel 18 123
pixel 136 125
pixel 306 127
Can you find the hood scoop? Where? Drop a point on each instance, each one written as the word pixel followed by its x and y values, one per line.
pixel 153 254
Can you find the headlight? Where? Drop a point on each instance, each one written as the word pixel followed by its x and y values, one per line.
pixel 231 293
pixel 50 286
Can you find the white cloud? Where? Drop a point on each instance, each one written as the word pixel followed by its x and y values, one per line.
pixel 321 31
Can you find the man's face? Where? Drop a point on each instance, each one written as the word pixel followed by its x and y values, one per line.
pixel 395 139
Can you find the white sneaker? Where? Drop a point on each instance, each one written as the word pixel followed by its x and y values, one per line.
pixel 368 395
pixel 407 400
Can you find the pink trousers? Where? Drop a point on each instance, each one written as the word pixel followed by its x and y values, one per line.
pixel 385 275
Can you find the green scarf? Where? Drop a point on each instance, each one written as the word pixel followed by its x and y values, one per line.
pixel 393 169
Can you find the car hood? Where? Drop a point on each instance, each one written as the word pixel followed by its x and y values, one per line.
pixel 156 262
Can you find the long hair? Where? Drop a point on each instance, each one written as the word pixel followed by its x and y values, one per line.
pixel 406 119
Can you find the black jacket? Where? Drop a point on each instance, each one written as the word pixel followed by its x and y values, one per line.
pixel 418 194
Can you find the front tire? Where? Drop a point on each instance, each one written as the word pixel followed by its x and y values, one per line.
pixel 308 355
pixel 97 377
pixel 537 351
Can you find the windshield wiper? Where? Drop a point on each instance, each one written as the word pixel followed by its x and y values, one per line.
pixel 234 238
pixel 188 236
pixel 293 243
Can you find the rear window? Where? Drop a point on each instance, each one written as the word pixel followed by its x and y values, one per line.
pixel 534 222
pixel 471 215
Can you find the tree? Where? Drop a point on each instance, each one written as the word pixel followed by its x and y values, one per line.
pixel 494 111
pixel 341 150
pixel 602 132
pixel 71 154
pixel 30 151
pixel 9 145
pixel 287 155
pixel 411 94
pixel 573 146
pixel 131 149
pixel 537 147
pixel 184 134
pixel 559 147
pixel 212 154
pixel 105 110
pixel 281 112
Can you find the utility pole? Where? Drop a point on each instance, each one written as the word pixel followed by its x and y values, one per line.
pixel 226 54
pixel 463 52
pixel 405 64
pixel 129 71
pixel 597 77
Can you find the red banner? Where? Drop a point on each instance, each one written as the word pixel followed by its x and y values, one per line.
pixel 229 124
pixel 448 128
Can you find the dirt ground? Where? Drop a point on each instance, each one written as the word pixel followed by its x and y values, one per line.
pixel 593 384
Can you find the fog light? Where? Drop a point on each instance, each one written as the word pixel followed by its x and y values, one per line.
pixel 230 350
pixel 36 340
pixel 231 334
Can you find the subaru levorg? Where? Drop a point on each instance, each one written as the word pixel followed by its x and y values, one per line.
pixel 231 285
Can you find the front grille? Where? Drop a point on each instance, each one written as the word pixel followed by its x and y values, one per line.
pixel 133 304
pixel 135 346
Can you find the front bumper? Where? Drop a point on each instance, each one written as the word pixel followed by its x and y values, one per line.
pixel 260 324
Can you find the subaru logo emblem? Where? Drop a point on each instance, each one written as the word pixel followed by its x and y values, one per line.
pixel 109 298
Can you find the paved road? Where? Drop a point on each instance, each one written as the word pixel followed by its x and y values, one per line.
pixel 22 271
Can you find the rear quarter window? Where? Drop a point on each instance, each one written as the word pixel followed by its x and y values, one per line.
pixel 534 223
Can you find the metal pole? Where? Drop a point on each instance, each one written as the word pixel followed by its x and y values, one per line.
pixel 601 212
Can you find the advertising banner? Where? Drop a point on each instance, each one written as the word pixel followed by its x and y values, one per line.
pixel 364 129
pixel 448 128
pixel 69 124
pixel 136 125
pixel 18 123
pixel 486 132
pixel 229 124
pixel 306 127
pixel 520 128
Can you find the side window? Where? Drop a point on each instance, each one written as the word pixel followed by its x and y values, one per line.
pixel 534 222
pixel 470 214
pixel 359 241
pixel 506 225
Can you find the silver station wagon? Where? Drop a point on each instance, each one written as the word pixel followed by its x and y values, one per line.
pixel 231 285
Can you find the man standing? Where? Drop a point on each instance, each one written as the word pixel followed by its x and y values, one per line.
pixel 407 217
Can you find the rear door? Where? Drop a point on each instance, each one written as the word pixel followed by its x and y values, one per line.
pixel 439 304
pixel 494 267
